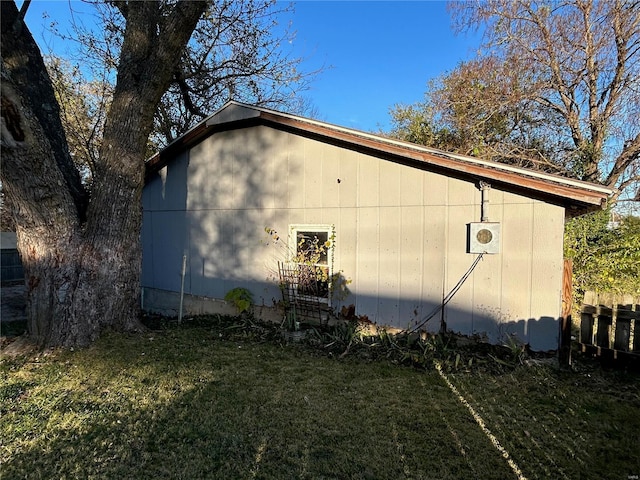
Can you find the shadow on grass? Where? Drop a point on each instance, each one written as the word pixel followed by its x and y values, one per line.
pixel 197 402
pixel 173 407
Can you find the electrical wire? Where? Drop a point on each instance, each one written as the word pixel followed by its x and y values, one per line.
pixel 449 295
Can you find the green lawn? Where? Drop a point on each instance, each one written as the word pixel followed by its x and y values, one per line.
pixel 207 401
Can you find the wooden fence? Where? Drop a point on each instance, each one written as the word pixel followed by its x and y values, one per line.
pixel 610 326
pixel 11 267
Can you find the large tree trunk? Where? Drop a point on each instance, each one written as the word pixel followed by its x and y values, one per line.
pixel 79 279
pixel 41 184
pixel 82 264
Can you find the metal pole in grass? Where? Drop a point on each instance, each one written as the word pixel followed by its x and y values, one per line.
pixel 184 269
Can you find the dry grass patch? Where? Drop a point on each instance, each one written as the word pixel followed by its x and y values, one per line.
pixel 209 402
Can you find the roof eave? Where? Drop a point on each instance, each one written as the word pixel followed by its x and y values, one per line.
pixel 573 194
pixel 576 196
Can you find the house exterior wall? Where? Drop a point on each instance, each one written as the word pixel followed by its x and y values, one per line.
pixel 401 234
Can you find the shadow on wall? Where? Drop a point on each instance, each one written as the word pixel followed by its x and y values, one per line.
pixel 540 334
pixel 217 221
pixel 211 204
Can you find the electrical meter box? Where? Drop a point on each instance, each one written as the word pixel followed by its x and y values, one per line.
pixel 483 237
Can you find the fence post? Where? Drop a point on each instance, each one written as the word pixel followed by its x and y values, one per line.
pixel 182 274
pixel 635 330
pixel 564 356
pixel 605 319
pixel 586 325
pixel 623 328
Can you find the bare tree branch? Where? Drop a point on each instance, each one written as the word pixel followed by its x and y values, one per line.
pixel 21 57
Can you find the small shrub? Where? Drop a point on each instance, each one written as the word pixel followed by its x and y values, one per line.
pixel 241 298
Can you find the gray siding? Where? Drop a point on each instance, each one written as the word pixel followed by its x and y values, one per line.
pixel 400 233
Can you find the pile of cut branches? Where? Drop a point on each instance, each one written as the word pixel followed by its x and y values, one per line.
pixel 353 338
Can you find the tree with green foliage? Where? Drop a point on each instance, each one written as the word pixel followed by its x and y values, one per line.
pixel 605 253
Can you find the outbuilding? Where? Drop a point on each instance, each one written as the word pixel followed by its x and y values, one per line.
pixel 10 264
pixel 402 226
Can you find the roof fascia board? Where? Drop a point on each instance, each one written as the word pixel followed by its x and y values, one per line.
pixel 232 112
pixel 440 153
pixel 272 114
pixel 196 133
pixel 235 115
pixel 485 170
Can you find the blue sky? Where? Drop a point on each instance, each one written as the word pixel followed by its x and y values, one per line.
pixel 380 53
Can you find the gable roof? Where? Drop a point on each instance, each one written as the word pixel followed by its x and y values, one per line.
pixel 576 196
